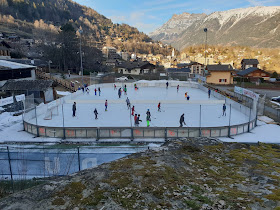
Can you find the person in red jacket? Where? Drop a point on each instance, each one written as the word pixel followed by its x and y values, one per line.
pixel 158 107
pixel 132 110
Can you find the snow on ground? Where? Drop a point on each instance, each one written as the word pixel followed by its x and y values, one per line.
pixel 63 93
pixel 11 130
pixel 173 105
pixel 267 133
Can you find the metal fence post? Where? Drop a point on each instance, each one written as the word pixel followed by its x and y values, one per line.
pixel 36 121
pixel 97 134
pixel 132 136
pixel 165 134
pixel 249 120
pixel 200 121
pixel 79 162
pixel 229 120
pixel 10 165
pixel 64 136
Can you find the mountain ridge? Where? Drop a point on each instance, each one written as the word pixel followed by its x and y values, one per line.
pixel 224 27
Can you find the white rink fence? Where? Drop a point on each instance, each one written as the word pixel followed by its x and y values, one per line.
pixel 34 114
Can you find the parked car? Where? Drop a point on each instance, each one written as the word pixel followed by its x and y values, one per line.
pixel 276 99
pixel 122 79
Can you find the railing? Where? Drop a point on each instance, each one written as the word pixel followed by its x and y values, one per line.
pixel 61 82
pixel 136 133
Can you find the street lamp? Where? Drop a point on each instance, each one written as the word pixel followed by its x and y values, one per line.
pixel 205 30
pixel 81 56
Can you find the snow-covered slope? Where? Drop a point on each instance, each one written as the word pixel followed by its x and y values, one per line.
pixel 253 26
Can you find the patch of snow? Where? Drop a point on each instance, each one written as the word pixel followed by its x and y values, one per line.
pixel 266 133
pixel 63 93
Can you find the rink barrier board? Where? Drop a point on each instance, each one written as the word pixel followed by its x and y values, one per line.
pixel 137 132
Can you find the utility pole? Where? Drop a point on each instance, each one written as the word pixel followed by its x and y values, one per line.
pixel 81 56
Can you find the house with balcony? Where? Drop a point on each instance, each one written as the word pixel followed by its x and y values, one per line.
pixel 253 74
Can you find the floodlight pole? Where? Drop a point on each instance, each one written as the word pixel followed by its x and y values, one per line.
pixel 205 30
pixel 81 56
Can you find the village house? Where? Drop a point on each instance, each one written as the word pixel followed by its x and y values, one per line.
pixel 4 50
pixel 181 74
pixel 253 74
pixel 247 63
pixel 136 68
pixel 41 89
pixel 219 74
pixel 12 70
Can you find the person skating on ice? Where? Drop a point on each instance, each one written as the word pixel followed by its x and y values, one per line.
pixel 74 108
pixel 106 105
pixel 99 90
pixel 209 92
pixel 127 102
pixel 120 92
pixel 182 120
pixel 158 106
pixel 224 110
pixel 148 113
pixel 95 91
pixel 148 121
pixel 132 110
pixel 167 85
pixel 95 113
pixel 177 88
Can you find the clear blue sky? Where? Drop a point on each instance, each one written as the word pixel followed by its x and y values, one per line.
pixel 147 15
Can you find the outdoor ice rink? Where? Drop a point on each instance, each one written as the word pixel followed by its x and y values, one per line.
pixel 173 105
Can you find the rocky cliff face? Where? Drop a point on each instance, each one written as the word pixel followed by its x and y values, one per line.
pixel 197 173
pixel 254 26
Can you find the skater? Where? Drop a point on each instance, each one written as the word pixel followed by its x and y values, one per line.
pixel 186 94
pixel 148 113
pixel 138 118
pixel 120 92
pixel 132 111
pixel 166 85
pixel 125 90
pixel 106 105
pixel 182 120
pixel 115 87
pixel 83 89
pixel 74 109
pixel 87 90
pixel 95 91
pixel 96 113
pixel 137 121
pixel 99 90
pixel 135 87
pixel 158 107
pixel 224 110
pixel 177 88
pixel 135 118
pixel 188 98
pixel 209 92
pixel 127 103
pixel 148 121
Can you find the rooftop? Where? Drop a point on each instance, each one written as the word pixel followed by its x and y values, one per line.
pixel 6 65
pixel 219 67
pixel 250 61
pixel 31 85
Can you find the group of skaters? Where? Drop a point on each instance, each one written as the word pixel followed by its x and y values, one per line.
pixel 137 119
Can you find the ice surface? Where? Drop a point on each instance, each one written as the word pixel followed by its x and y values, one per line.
pixel 173 105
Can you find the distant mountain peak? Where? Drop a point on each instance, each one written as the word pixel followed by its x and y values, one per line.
pixel 252 26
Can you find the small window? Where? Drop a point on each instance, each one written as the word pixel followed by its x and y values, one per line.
pixel 220 80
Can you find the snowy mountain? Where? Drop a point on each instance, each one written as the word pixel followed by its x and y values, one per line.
pixel 254 26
